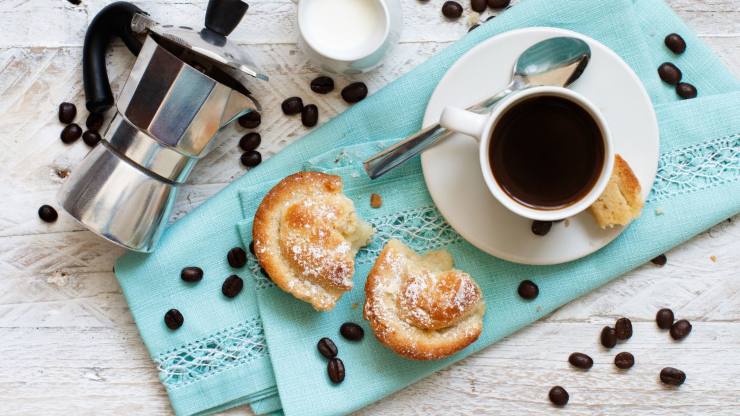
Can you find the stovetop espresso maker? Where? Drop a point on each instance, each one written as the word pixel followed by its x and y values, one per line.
pixel 184 89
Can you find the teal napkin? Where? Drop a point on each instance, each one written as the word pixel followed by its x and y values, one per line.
pixel 219 357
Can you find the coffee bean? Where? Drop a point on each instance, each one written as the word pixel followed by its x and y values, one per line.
pixel 558 396
pixel 232 286
pixel 310 115
pixel 356 91
pixel 351 331
pixel 327 348
pixel 322 85
pixel 664 318
pixel 581 360
pixel 251 247
pixel 669 73
pixel 236 257
pixel 452 9
pixel 623 329
pixel 173 319
pixel 47 213
pixel 608 337
pixel 292 105
pixel 251 159
pixel 67 112
pixel 680 329
pixel 478 5
pixel 541 227
pixel 250 120
pixel 672 376
pixel 675 43
pixel 335 368
pixel 70 133
pixel 624 360
pixel 528 289
pixel 191 274
pixel 472 28
pixel 660 260
pixel 686 90
pixel 94 121
pixel 498 4
pixel 250 141
pixel 91 138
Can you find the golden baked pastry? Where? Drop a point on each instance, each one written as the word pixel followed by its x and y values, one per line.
pixel 306 235
pixel 419 306
pixel 621 201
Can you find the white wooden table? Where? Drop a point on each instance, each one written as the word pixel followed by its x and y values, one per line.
pixel 68 344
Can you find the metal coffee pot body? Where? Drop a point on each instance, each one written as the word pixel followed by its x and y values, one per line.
pixel 179 97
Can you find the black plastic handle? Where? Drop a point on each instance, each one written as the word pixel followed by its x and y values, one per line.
pixel 222 16
pixel 112 21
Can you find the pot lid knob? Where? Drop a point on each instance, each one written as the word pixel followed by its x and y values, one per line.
pixel 222 16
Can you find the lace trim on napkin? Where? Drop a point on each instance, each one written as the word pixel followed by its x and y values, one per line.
pixel 211 355
pixel 703 165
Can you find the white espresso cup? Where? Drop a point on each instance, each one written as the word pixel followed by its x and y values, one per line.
pixel 348 36
pixel 482 127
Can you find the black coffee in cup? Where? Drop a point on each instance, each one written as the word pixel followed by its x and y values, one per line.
pixel 546 152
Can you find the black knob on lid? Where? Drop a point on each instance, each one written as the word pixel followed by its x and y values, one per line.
pixel 222 16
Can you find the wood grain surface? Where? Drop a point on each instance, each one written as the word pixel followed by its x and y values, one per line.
pixel 70 347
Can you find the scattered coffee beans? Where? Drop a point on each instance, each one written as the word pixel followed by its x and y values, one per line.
pixel 478 5
pixel 376 201
pixel 675 43
pixel 355 92
pixel 67 112
pixel 335 368
pixel 232 286
pixel 608 337
pixel 351 331
pixel 250 141
pixel 558 396
pixel 452 9
pixel 624 360
pixel 310 115
pixel 70 133
pixel 191 274
pixel 541 227
pixel 686 90
pixel 292 106
pixel 47 213
pixel 251 159
pixel 664 318
pixel 91 138
pixel 669 73
pixel 680 329
pixel 660 260
pixel 498 4
pixel 581 360
pixel 327 348
pixel 623 329
pixel 672 376
pixel 528 289
pixel 236 257
pixel 322 85
pixel 250 120
pixel 173 319
pixel 94 121
pixel 251 247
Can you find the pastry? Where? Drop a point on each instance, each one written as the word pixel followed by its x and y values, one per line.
pixel 419 306
pixel 621 201
pixel 306 235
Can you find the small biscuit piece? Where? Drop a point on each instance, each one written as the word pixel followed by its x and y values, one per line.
pixel 306 235
pixel 621 201
pixel 419 306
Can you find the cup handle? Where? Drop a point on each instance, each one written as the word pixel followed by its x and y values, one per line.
pixel 463 121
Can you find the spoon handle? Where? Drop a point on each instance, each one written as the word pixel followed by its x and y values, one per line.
pixel 394 156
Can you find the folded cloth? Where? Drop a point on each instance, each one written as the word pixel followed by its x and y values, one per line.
pixel 219 359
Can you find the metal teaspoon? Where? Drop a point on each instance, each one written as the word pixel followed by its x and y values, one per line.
pixel 556 61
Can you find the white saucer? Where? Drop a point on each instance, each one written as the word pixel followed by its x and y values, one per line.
pixel 452 171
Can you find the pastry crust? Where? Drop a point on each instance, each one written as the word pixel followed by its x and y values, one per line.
pixel 306 235
pixel 621 201
pixel 419 306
